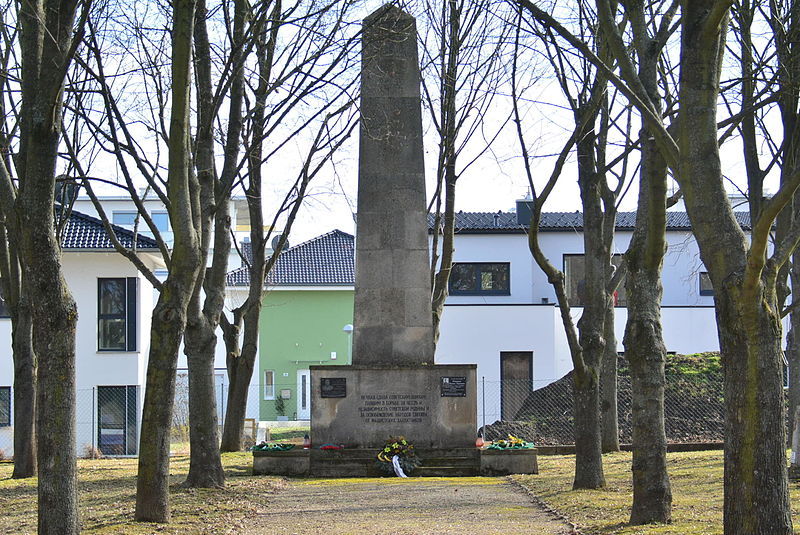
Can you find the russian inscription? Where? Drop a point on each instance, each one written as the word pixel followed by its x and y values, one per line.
pixel 333 387
pixel 454 387
pixel 393 408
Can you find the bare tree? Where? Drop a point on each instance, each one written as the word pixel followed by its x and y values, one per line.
pixel 169 315
pixel 318 63
pixel 46 46
pixel 462 64
pixel 742 273
pixel 18 306
pixel 584 89
pixel 644 344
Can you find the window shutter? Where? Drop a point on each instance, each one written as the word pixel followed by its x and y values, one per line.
pixel 132 295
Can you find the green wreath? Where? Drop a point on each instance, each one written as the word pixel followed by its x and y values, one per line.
pixel 406 456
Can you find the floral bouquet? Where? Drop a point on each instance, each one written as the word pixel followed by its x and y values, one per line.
pixel 406 457
pixel 512 443
pixel 272 446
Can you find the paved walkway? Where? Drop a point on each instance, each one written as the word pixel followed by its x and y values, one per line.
pixel 414 506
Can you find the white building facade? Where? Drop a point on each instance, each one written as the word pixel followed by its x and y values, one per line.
pixel 114 303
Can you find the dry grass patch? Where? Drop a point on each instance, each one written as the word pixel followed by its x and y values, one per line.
pixel 696 494
pixel 107 490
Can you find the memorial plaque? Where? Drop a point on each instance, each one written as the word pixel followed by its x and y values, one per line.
pixel 454 387
pixel 333 387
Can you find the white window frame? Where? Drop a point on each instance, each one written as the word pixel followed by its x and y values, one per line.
pixel 269 389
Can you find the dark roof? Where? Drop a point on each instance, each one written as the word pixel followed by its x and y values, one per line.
pixel 506 222
pixel 329 259
pixel 325 260
pixel 87 232
pixel 246 251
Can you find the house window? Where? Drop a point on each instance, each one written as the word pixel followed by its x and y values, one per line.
pixel 705 284
pixel 5 406
pixel 116 314
pixel 161 221
pixel 575 273
pixel 269 384
pixel 125 218
pixel 116 420
pixel 480 279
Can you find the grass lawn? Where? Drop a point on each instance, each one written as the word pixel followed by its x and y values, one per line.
pixel 696 479
pixel 288 434
pixel 107 490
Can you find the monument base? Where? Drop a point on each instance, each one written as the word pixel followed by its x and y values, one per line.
pixel 360 407
pixel 455 462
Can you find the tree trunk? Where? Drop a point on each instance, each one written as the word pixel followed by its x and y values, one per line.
pixel 24 393
pixel 169 315
pixel 166 331
pixel 755 482
pixel 756 487
pixel 240 372
pixel 54 320
pixel 644 342
pixel 205 465
pixel 591 326
pixel 645 350
pixel 608 391
pixel 588 454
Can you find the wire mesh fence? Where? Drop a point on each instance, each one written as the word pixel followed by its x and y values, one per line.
pixel 108 418
pixel 693 408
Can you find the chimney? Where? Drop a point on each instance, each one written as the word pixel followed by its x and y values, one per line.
pixel 524 211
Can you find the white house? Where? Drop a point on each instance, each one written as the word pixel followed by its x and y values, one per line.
pixel 112 341
pixel 122 211
pixel 501 312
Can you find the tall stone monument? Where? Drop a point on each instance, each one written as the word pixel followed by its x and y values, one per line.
pixel 393 386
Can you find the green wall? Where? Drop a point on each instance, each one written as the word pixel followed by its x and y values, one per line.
pixel 300 329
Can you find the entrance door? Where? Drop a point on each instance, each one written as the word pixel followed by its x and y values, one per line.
pixel 303 395
pixel 516 380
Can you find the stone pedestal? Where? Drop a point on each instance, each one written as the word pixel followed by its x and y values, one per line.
pixel 362 406
pixel 506 462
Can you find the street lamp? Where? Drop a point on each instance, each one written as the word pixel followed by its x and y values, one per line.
pixel 348 330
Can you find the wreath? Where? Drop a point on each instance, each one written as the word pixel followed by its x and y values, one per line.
pixel 406 456
pixel 272 446
pixel 512 443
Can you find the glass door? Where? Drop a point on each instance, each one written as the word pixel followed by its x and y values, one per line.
pixel 303 395
pixel 116 420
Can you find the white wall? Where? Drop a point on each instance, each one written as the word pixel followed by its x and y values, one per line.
pixel 93 368
pixel 529 284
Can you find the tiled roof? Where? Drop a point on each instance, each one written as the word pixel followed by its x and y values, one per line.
pixel 87 232
pixel 506 222
pixel 324 260
pixel 329 259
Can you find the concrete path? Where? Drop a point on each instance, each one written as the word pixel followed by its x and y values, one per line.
pixel 414 506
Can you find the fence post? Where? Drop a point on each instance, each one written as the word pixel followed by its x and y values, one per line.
pixel 221 401
pixel 94 408
pixel 483 403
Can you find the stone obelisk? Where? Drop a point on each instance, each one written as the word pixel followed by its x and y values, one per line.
pixel 393 386
pixel 392 289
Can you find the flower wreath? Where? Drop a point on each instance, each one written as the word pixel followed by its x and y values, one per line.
pixel 513 443
pixel 272 446
pixel 406 456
